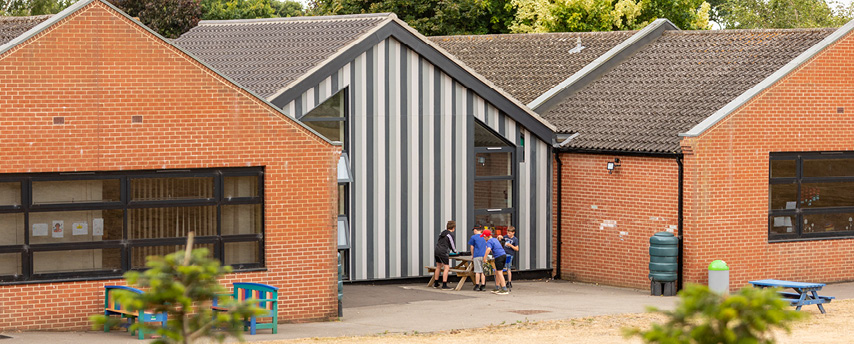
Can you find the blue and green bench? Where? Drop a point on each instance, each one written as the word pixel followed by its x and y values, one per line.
pixel 267 298
pixel 113 307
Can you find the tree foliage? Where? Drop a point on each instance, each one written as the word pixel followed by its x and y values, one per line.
pixel 32 7
pixel 431 17
pixel 782 14
pixel 287 8
pixel 170 18
pixel 606 15
pixel 183 287
pixel 706 317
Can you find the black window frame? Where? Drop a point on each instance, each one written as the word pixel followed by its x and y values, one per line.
pixel 799 211
pixel 508 147
pixel 126 244
pixel 343 121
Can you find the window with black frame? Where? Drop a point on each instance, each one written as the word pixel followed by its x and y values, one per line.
pixel 811 195
pixel 493 179
pixel 92 224
pixel 329 118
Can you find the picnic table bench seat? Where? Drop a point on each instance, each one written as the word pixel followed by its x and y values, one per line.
pixel 794 298
pixel 806 293
pixel 267 298
pixel 113 307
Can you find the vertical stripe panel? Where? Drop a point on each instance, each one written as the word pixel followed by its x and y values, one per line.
pixel 404 75
pixel 502 124
pixel 436 136
pixel 429 139
pixel 374 229
pixel 494 118
pixel 289 109
pixel 479 109
pixel 472 103
pixel 307 100
pixel 532 199
pixel 360 160
pixel 461 165
pixel 415 170
pixel 543 205
pixel 298 110
pixel 512 133
pixel 385 65
pixel 445 136
pixel 525 211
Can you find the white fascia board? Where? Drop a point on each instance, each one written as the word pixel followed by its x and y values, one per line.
pixel 745 97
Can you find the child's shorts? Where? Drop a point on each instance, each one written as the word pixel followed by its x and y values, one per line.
pixel 478 264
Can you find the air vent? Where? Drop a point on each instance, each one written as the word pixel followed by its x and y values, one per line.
pixel 840 110
pixel 136 119
pixel 59 120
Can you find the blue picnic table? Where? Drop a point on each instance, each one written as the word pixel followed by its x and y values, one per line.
pixel 806 293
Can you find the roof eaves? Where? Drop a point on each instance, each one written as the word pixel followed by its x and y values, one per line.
pixel 594 69
pixel 391 17
pixel 745 97
pixel 83 3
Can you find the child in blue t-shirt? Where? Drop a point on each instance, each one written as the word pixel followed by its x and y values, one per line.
pixel 511 245
pixel 478 249
pixel 495 247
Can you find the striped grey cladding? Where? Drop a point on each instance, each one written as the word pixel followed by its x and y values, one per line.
pixel 410 143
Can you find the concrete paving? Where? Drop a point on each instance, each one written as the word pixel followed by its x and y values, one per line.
pixel 372 309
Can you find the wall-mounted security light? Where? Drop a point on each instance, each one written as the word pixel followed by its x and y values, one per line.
pixel 612 165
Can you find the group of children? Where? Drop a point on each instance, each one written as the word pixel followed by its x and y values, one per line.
pixel 482 243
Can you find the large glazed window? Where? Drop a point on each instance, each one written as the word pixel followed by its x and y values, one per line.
pixel 329 118
pixel 94 224
pixel 494 179
pixel 811 195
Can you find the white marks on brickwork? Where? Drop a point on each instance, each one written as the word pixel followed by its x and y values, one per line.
pixel 608 224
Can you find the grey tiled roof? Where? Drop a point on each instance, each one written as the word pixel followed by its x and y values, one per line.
pixel 11 27
pixel 528 65
pixel 672 84
pixel 265 55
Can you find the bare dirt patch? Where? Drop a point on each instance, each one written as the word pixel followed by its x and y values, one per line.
pixel 833 327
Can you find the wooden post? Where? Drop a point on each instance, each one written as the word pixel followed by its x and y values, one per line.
pixel 188 251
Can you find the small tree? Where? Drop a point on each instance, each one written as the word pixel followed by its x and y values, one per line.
pixel 703 316
pixel 183 284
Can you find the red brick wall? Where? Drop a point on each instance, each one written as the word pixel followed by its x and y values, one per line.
pixel 97 69
pixel 640 198
pixel 726 175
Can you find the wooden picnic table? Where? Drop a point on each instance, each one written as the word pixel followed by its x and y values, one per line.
pixel 806 293
pixel 463 268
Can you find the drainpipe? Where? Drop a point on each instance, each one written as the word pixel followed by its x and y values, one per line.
pixel 679 218
pixel 559 209
pixel 562 141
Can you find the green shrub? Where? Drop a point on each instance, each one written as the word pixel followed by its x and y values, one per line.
pixel 703 316
pixel 184 288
